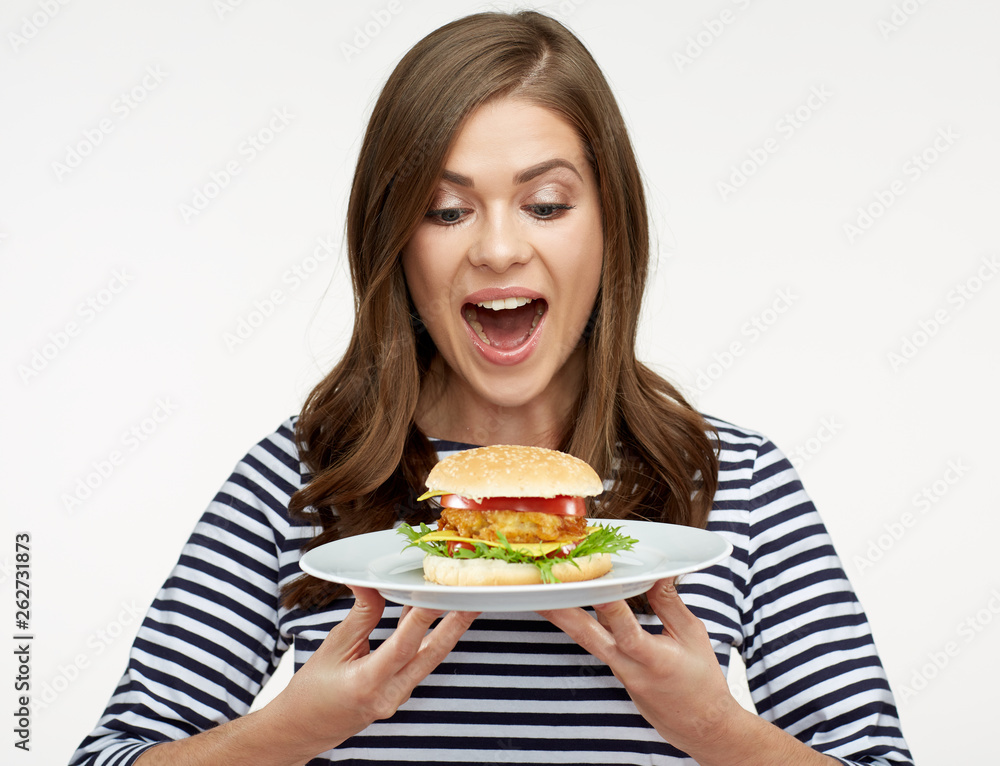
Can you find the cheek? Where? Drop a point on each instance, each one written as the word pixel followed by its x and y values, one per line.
pixel 415 274
pixel 418 263
pixel 579 256
pixel 427 280
pixel 586 275
pixel 593 255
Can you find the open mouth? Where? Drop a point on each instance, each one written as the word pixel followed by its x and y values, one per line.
pixel 504 323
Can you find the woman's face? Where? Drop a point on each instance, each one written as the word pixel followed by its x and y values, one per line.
pixel 505 267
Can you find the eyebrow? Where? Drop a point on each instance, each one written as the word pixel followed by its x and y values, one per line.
pixel 519 178
pixel 544 167
pixel 457 178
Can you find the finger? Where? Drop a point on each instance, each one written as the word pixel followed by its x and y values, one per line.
pixel 411 652
pixel 630 637
pixel 367 602
pixel 437 644
pixel 351 636
pixel 614 614
pixel 405 641
pixel 585 630
pixel 678 621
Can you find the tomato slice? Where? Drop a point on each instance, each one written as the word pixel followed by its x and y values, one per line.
pixel 562 505
pixel 454 545
pixel 563 552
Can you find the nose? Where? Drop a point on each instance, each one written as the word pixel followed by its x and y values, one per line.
pixel 500 243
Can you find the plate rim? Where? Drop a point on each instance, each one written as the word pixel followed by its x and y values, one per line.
pixel 369 579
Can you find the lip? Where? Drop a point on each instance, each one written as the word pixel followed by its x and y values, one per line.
pixel 494 355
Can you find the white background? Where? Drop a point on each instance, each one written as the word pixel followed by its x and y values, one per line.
pixel 815 311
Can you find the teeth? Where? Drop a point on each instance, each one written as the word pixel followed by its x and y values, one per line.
pixel 479 330
pixel 499 304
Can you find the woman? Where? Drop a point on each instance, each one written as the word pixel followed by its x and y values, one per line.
pixel 498 241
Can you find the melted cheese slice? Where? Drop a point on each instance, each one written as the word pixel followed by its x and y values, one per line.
pixel 432 493
pixel 532 549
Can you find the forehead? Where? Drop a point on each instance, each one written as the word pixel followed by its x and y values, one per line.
pixel 512 133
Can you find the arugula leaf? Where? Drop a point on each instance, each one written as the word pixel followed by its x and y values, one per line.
pixel 601 540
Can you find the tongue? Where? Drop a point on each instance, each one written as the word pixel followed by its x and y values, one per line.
pixel 509 328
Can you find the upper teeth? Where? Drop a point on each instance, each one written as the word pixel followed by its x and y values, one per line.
pixel 504 303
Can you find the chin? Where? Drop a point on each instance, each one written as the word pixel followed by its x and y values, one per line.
pixel 504 393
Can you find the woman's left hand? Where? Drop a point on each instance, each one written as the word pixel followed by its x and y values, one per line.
pixel 674 678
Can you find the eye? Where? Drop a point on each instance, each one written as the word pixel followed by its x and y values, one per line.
pixel 548 210
pixel 446 216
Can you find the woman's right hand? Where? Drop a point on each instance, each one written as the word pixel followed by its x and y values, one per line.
pixel 339 691
pixel 344 686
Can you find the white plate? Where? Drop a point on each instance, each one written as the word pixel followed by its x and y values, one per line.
pixel 378 560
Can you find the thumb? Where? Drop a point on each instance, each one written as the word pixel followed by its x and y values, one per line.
pixel 678 621
pixel 351 636
pixel 367 610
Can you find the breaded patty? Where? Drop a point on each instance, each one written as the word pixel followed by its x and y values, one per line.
pixel 516 526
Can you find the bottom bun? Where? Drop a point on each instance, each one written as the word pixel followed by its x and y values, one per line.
pixel 448 571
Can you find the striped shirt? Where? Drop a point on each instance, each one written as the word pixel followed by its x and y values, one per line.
pixel 515 689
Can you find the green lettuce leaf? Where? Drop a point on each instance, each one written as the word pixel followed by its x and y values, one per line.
pixel 601 540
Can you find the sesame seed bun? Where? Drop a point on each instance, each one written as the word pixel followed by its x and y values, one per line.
pixel 508 470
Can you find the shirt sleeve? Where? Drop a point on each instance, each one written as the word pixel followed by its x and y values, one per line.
pixel 812 667
pixel 210 639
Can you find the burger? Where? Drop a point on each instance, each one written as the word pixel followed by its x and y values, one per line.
pixel 513 515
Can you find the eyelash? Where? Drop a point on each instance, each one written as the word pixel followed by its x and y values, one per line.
pixel 557 208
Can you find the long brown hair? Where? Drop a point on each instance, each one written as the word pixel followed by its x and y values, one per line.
pixel 356 432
